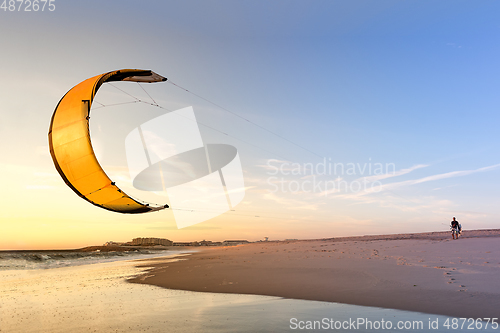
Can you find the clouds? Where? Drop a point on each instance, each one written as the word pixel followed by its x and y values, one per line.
pixel 401 172
pixel 452 174
pixel 401 184
pixel 284 176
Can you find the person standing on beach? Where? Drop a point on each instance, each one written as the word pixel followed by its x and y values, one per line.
pixel 455 228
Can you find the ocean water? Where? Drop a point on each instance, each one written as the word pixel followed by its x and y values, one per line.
pixel 30 260
pixel 97 298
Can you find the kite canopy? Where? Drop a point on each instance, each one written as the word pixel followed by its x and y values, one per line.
pixel 71 147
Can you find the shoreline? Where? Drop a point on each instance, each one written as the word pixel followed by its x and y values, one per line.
pixel 426 272
pixel 97 298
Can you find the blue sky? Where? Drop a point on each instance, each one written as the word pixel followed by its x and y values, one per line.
pixel 409 83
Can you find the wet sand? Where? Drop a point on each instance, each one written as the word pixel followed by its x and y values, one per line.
pixel 96 298
pixel 426 272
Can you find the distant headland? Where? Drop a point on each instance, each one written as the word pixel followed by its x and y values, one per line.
pixel 156 243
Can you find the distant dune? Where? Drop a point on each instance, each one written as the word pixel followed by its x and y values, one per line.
pixel 423 235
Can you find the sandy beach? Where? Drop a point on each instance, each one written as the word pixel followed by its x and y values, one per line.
pixel 426 272
pixel 97 298
pixel 429 273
